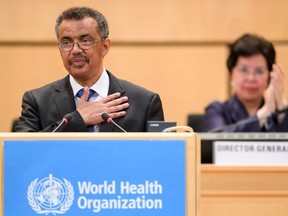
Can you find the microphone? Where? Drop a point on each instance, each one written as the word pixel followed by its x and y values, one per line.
pixel 284 110
pixel 237 124
pixel 64 121
pixel 108 119
pixel 248 120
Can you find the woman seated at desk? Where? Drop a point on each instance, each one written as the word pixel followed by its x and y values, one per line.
pixel 258 84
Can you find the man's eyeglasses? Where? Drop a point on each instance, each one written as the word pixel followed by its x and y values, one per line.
pixel 84 44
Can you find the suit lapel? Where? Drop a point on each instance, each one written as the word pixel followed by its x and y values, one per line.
pixel 64 99
pixel 115 86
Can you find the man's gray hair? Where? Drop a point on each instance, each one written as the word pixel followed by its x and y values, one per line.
pixel 79 13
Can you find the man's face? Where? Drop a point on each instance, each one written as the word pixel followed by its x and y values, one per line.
pixel 85 65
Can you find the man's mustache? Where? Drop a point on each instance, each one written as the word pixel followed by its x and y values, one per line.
pixel 76 58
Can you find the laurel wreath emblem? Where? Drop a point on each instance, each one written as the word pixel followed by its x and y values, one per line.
pixel 37 208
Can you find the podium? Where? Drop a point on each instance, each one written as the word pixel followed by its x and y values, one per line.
pixel 100 173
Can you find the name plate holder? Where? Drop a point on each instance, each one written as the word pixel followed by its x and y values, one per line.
pixel 250 153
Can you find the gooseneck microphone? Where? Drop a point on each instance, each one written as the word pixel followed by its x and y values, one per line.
pixel 107 118
pixel 247 121
pixel 64 121
pixel 284 110
pixel 237 124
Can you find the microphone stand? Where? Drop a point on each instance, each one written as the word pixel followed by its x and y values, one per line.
pixel 248 120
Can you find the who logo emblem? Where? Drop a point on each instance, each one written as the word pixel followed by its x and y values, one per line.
pixel 50 195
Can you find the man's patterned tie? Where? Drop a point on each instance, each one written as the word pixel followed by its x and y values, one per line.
pixel 91 92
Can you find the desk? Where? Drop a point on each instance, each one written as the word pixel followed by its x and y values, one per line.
pixel 239 191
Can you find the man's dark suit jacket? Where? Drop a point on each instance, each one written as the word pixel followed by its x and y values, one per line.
pixel 43 109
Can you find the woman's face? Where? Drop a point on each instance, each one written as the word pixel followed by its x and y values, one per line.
pixel 250 78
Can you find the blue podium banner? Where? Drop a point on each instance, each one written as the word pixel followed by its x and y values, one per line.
pixel 94 177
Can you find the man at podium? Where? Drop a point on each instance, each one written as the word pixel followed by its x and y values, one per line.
pixel 76 102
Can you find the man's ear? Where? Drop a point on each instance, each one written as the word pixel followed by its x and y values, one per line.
pixel 105 46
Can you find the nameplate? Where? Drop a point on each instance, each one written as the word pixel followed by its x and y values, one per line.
pixel 94 177
pixel 250 153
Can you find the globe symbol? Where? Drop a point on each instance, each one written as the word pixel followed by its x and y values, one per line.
pixel 50 193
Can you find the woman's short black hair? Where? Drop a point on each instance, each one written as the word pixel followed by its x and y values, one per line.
pixel 248 45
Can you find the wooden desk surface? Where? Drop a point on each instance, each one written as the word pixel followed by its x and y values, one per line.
pixel 249 191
